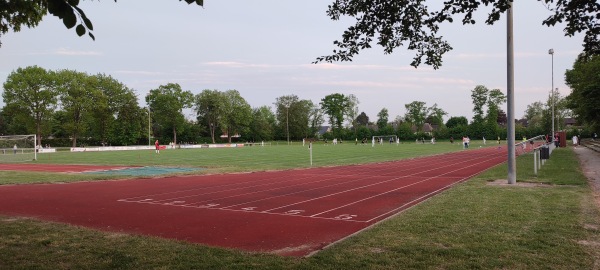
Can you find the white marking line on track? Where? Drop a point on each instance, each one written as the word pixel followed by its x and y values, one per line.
pixel 360 169
pixel 396 189
pixel 390 180
pixel 297 212
pixel 212 187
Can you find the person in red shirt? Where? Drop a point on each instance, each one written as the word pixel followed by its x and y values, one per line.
pixel 157 145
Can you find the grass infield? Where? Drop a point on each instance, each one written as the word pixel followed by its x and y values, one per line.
pixel 553 224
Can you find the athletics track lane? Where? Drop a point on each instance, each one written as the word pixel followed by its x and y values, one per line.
pixel 292 212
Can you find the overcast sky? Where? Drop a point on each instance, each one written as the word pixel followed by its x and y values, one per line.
pixel 264 49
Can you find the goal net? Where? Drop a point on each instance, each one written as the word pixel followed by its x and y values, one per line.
pixel 17 148
pixel 389 139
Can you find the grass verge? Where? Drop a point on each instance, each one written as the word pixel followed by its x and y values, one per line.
pixel 474 225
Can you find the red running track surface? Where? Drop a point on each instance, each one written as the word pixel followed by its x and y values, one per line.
pixel 294 213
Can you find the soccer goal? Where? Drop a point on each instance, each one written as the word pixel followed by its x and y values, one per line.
pixel 17 148
pixel 389 139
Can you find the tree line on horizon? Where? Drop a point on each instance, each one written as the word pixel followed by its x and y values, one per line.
pixel 70 108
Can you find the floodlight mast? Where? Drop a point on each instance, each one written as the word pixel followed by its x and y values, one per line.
pixel 551 52
pixel 510 97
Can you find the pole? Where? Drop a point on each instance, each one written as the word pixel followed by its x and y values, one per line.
pixel 535 154
pixel 551 52
pixel 148 125
pixel 310 150
pixel 510 84
pixel 287 122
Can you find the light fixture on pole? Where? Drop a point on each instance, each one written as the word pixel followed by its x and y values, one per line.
pixel 551 52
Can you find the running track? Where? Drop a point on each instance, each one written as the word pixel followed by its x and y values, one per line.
pixel 294 212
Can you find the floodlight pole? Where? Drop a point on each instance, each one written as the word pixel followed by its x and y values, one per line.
pixel 148 125
pixel 287 122
pixel 510 84
pixel 551 52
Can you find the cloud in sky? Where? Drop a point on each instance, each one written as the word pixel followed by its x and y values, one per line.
pixel 265 51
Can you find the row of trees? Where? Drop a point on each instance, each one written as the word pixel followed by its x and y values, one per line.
pixel 68 106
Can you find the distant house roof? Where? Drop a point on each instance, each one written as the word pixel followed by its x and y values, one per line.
pixel 427 127
pixel 524 122
pixel 570 122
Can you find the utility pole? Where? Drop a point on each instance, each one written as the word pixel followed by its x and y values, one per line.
pixel 551 52
pixel 510 97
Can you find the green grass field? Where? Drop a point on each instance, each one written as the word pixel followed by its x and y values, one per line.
pixel 475 225
pixel 227 160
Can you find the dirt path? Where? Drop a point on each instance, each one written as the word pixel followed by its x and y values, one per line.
pixel 590 164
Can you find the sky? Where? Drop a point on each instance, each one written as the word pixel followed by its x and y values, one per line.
pixel 265 49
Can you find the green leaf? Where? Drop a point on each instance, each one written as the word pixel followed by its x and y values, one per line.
pixel 80 30
pixel 87 22
pixel 69 18
pixel 92 36
pixel 85 19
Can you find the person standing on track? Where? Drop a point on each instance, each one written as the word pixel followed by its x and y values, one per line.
pixel 157 146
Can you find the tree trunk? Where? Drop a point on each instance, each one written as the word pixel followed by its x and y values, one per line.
pixel 174 136
pixel 38 129
pixel 212 133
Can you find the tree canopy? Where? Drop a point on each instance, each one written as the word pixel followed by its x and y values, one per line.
pixel 584 79
pixel 17 13
pixel 393 24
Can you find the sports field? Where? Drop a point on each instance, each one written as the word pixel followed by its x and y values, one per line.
pixel 278 156
pixel 280 208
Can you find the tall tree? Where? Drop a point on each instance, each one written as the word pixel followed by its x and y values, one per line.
pixel 31 90
pixel 335 105
pixel 262 125
pixel 237 114
pixel 584 80
pixel 416 112
pixel 382 118
pixel 76 98
pixel 352 112
pixel 495 99
pixel 534 114
pixel 362 119
pixel 210 109
pixel 456 121
pixel 293 116
pixel 436 115
pixel 112 100
pixel 283 105
pixel 479 95
pixel 393 24
pixel 315 119
pixel 166 104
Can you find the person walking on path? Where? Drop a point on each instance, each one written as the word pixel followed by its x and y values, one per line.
pixel 157 146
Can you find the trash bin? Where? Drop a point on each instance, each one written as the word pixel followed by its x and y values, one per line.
pixel 544 153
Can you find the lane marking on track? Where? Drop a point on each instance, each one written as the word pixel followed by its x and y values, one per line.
pixel 298 213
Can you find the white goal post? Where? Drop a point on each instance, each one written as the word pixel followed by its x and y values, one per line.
pixel 18 148
pixel 384 139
